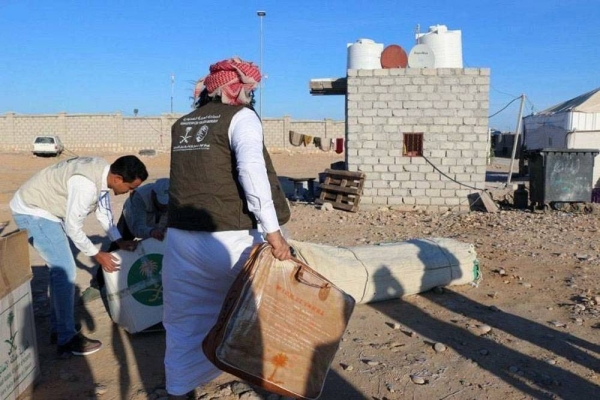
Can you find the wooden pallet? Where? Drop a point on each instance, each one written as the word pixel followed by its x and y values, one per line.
pixel 342 189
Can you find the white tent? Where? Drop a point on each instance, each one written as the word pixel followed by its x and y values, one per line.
pixel 573 124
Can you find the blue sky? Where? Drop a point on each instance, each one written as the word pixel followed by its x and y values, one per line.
pixel 105 56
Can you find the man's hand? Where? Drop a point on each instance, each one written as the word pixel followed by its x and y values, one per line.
pixel 107 261
pixel 158 234
pixel 280 248
pixel 128 245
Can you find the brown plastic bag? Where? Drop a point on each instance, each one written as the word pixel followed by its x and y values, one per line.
pixel 280 326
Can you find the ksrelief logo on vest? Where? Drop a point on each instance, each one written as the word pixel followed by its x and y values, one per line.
pixel 201 133
pixel 186 137
pixel 195 131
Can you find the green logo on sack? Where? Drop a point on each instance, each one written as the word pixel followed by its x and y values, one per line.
pixel 13 334
pixel 145 280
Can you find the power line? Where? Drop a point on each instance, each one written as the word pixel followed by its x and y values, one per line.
pixel 504 108
pixel 447 176
pixel 501 92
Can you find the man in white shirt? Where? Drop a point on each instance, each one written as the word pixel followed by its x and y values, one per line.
pixel 52 206
pixel 224 198
pixel 144 216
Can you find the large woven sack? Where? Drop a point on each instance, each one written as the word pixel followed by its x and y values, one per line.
pixel 280 326
pixel 134 292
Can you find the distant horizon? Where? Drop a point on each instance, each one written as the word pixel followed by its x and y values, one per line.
pixel 156 115
pixel 184 113
pixel 126 115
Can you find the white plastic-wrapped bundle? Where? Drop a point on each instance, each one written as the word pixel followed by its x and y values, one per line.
pixel 135 294
pixel 381 272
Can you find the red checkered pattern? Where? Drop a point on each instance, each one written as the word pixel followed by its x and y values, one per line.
pixel 232 79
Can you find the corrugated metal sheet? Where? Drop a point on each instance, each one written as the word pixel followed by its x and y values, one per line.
pixel 573 124
pixel 585 121
pixel 588 102
pixel 553 126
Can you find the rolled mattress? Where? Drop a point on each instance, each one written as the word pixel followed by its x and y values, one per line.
pixel 385 271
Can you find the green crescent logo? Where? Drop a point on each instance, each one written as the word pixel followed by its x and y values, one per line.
pixel 146 275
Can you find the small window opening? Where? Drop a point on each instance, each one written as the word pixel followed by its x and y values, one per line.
pixel 413 145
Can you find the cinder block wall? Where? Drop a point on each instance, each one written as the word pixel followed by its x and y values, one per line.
pixel 325 130
pixel 116 133
pixel 449 106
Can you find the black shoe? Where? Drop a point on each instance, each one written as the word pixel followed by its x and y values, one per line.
pixel 54 335
pixel 79 345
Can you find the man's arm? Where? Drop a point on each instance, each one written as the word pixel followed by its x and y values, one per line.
pixel 80 198
pixel 105 216
pixel 246 140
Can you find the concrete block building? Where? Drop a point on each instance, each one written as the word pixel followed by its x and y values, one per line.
pixel 419 134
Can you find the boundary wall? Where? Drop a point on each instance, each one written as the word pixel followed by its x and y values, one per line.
pixel 118 133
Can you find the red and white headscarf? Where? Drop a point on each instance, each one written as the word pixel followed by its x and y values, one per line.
pixel 233 80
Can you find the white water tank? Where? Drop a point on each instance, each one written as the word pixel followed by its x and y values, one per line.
pixel 445 44
pixel 364 54
pixel 421 56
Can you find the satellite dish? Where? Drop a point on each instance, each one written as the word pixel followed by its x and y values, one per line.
pixel 394 56
pixel 421 56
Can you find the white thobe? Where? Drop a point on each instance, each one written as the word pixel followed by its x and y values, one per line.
pixel 199 267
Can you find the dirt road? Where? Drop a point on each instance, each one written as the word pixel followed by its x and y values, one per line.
pixel 530 328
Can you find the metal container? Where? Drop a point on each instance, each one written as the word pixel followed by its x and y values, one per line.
pixel 521 197
pixel 560 175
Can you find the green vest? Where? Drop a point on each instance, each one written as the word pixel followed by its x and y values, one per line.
pixel 204 192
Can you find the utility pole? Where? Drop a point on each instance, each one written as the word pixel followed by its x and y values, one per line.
pixel 172 84
pixel 516 141
pixel 261 15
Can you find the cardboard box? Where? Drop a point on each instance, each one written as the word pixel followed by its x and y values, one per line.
pixel 19 364
pixel 135 293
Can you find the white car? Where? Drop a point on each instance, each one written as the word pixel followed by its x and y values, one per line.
pixel 47 145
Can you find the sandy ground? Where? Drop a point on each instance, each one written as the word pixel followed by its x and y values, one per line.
pixel 528 330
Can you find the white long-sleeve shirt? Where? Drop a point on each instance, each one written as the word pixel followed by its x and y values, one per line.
pixel 246 140
pixel 81 196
